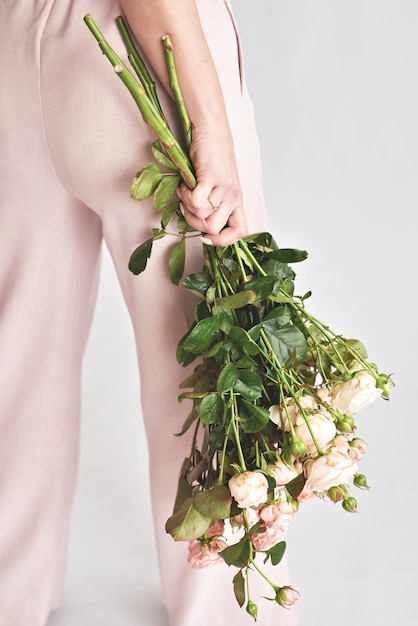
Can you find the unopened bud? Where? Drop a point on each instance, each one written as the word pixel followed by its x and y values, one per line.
pixel 252 609
pixel 384 383
pixel 338 493
pixel 346 424
pixel 360 481
pixel 350 505
pixel 298 447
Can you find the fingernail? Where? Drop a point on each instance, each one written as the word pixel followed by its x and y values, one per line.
pixel 206 241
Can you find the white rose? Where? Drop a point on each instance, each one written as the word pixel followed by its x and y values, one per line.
pixel 279 414
pixel 354 394
pixel 249 489
pixel 283 473
pixel 322 426
pixel 329 470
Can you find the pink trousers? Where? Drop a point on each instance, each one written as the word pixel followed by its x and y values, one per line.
pixel 71 140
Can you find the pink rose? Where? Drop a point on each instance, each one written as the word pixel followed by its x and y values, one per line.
pixel 287 597
pixel 329 470
pixel 249 489
pixel 216 529
pixel 354 394
pixel 358 449
pixel 205 554
pixel 272 535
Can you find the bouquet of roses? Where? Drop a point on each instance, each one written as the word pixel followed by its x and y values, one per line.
pixel 275 392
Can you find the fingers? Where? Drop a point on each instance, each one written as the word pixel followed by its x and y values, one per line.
pixel 221 228
pixel 201 201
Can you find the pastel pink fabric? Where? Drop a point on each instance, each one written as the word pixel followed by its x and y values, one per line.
pixel 71 140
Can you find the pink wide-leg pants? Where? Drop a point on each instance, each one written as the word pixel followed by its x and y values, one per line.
pixel 71 140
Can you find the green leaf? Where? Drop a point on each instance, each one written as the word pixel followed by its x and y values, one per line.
pixel 237 300
pixel 281 314
pixel 214 503
pixel 192 417
pixel 187 523
pixel 253 418
pixel 145 182
pixel 211 409
pixel 249 385
pixel 238 554
pixel 263 286
pixel 276 553
pixel 198 283
pixel 296 485
pixel 165 191
pixel 139 257
pixel 176 261
pixel 227 378
pixel 201 336
pixel 244 340
pixel 184 492
pixel 168 213
pixel 225 318
pixel 239 588
pixel 185 357
pixel 288 255
pixel 285 340
pixel 162 159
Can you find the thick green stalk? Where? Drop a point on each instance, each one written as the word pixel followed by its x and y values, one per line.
pixel 175 88
pixel 138 64
pixel 149 113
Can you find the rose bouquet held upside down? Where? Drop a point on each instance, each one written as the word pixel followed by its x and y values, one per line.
pixel 275 392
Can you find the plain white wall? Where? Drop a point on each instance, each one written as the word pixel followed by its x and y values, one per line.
pixel 335 93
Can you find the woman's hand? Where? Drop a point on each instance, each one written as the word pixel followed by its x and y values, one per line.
pixel 215 205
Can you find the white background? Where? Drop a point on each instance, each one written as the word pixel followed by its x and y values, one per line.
pixel 335 92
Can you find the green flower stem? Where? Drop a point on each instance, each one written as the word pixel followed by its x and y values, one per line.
pixel 234 409
pixel 149 112
pixel 222 465
pixel 138 64
pixel 243 245
pixel 175 88
pixel 260 571
pixel 331 337
pixel 239 261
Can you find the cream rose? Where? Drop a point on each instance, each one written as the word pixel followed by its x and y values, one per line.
pixel 249 489
pixel 329 470
pixel 322 426
pixel 283 473
pixel 280 415
pixel 355 394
